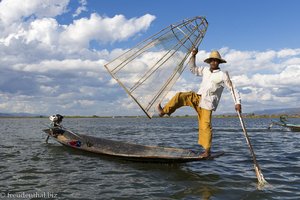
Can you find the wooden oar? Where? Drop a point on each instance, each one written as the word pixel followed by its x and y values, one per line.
pixel 257 169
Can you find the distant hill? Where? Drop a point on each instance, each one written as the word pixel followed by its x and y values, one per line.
pixel 18 115
pixel 279 111
pixel 290 111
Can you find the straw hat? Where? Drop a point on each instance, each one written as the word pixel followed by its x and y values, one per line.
pixel 214 55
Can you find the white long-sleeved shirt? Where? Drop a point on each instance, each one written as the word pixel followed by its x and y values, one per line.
pixel 212 86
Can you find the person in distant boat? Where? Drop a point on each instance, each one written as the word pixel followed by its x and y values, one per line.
pixel 206 100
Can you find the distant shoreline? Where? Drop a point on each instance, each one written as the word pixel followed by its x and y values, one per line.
pixel 177 116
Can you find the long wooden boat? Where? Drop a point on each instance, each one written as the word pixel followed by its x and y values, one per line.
pixel 124 150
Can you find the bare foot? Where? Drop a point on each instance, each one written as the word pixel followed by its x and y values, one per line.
pixel 205 154
pixel 160 111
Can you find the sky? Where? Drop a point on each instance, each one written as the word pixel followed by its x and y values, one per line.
pixel 52 52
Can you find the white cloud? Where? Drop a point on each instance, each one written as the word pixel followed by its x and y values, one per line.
pixel 12 11
pixel 81 8
pixel 103 29
pixel 288 52
pixel 78 35
pixel 49 89
pixel 44 30
pixel 75 65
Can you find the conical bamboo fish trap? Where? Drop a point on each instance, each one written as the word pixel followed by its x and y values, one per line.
pixel 149 70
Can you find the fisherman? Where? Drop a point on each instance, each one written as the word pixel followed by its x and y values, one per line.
pixel 206 99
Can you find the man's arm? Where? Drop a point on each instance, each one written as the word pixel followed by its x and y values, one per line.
pixel 192 63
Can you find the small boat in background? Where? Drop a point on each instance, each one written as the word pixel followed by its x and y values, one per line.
pixel 284 123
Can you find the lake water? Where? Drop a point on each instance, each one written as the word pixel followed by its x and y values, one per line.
pixel 32 169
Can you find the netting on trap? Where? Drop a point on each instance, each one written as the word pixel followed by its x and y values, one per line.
pixel 149 70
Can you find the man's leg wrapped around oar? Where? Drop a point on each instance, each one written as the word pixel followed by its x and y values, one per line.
pixel 204 116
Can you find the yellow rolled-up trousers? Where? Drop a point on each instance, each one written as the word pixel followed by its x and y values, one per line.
pixel 204 116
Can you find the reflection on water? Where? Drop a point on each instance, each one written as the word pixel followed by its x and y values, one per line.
pixel 30 166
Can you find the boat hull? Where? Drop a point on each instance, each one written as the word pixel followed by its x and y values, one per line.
pixel 125 150
pixel 292 127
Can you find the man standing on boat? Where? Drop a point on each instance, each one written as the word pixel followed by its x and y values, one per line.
pixel 206 99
